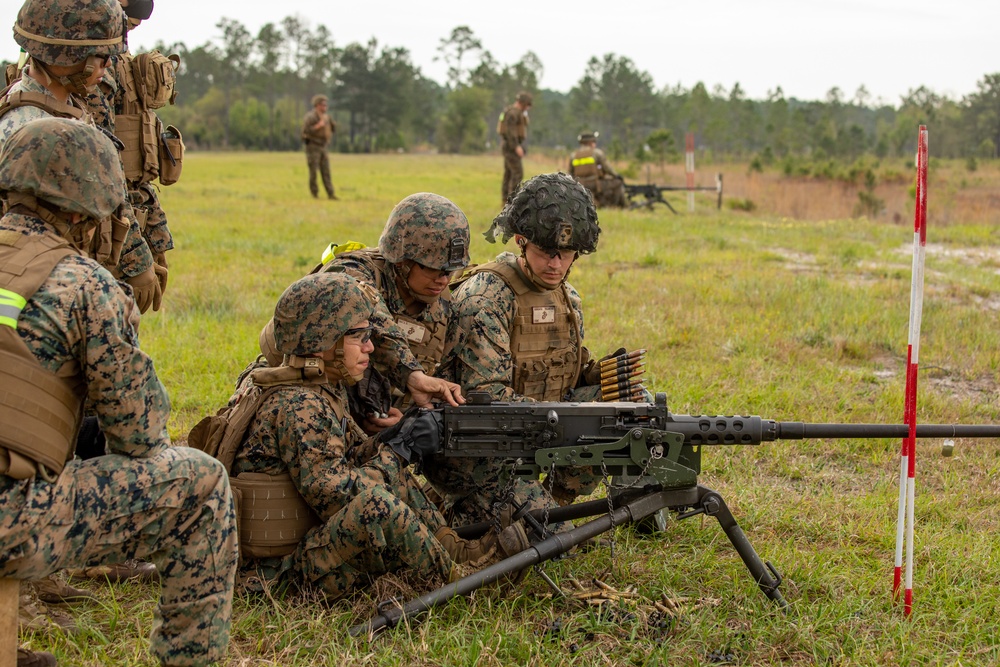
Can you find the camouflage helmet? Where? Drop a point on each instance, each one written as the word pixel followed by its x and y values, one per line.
pixel 66 163
pixel 525 98
pixel 428 229
pixel 316 311
pixel 67 32
pixel 553 211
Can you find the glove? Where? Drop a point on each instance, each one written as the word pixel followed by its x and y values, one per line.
pixel 592 375
pixel 161 279
pixel 417 436
pixel 145 289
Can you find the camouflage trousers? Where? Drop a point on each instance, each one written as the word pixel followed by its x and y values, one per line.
pixel 319 160
pixel 388 527
pixel 174 509
pixel 513 173
pixel 470 486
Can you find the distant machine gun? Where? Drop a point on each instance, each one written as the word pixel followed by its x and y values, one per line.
pixel 642 440
pixel 649 194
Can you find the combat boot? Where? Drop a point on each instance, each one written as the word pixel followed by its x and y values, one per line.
pixel 511 540
pixel 53 591
pixel 35 658
pixel 130 570
pixel 462 550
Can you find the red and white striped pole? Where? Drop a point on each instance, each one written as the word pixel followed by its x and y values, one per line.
pixel 689 168
pixel 908 458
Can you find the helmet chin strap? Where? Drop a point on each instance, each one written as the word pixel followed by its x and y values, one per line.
pixel 76 83
pixel 339 368
pixel 79 234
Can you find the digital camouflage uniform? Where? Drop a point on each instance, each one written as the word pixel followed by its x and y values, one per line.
pixel 591 168
pixel 432 231
pixel 372 517
pixel 66 33
pixel 375 519
pixel 136 257
pixel 145 499
pixel 513 130
pixel 482 358
pixel 104 104
pixel 317 157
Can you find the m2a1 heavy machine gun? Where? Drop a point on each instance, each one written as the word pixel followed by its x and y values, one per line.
pixel 647 195
pixel 642 440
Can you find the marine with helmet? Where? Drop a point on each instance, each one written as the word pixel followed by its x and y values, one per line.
pixel 69 44
pixel 520 327
pixel 424 242
pixel 589 165
pixel 68 337
pixel 357 517
pixel 124 103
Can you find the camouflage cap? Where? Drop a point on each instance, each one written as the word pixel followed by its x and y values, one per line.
pixel 69 164
pixel 553 211
pixel 316 99
pixel 588 136
pixel 429 230
pixel 525 98
pixel 316 311
pixel 67 32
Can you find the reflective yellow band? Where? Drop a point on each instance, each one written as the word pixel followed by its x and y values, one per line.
pixel 334 249
pixel 11 304
pixel 580 161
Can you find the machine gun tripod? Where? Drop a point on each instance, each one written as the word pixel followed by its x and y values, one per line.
pixel 639 195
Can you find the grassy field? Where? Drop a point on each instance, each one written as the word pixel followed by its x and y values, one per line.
pixel 749 313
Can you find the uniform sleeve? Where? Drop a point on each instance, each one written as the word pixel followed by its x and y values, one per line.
pixel 136 257
pixel 157 233
pixel 482 361
pixel 311 443
pixel 131 404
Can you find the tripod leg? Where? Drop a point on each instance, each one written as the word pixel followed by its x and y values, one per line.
pixel 766 576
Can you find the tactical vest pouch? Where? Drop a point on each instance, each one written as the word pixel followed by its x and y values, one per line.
pixel 39 414
pixel 273 517
pixel 171 155
pixel 155 75
pixel 139 132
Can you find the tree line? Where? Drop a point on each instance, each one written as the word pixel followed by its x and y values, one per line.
pixel 251 91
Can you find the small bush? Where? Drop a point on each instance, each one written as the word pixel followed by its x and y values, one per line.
pixel 737 204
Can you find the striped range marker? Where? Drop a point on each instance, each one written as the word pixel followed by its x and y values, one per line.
pixel 907 465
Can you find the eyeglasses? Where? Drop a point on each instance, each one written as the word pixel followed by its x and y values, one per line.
pixel 564 254
pixel 434 273
pixel 365 333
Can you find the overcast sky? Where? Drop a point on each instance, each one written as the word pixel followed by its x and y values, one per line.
pixel 805 46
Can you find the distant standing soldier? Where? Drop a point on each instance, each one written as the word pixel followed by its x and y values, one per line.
pixel 67 337
pixel 513 130
pixel 317 130
pixel 591 168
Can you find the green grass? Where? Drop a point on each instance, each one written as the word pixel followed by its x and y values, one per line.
pixel 741 313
